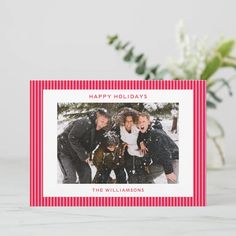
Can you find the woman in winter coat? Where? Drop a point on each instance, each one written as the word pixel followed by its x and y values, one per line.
pixel 135 162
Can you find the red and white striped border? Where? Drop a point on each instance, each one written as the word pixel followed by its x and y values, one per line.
pixel 36 143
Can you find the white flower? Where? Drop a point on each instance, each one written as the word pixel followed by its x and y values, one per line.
pixel 193 54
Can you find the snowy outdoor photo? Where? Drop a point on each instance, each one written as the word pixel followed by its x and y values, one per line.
pixel 117 143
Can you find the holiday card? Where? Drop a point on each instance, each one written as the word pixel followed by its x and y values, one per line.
pixel 118 143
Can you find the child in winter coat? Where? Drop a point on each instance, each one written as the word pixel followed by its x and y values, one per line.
pixel 108 157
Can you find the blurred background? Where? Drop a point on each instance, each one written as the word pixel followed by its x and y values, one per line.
pixel 68 40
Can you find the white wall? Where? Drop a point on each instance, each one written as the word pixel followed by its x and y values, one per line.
pixel 55 39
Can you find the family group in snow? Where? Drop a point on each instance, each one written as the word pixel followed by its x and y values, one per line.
pixel 136 149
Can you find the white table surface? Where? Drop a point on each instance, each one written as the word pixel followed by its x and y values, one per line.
pixel 17 218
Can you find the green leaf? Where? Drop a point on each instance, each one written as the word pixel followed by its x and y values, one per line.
pixel 160 75
pixel 147 77
pixel 125 45
pixel 112 39
pixel 214 96
pixel 223 82
pixel 118 46
pixel 229 62
pixel 129 55
pixel 211 105
pixel 226 47
pixel 141 68
pixel 211 67
pixel 154 69
pixel 139 58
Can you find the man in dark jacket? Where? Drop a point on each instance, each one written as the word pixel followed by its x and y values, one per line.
pixel 77 142
pixel 159 147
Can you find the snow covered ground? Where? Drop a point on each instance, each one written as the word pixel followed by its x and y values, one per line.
pixel 166 123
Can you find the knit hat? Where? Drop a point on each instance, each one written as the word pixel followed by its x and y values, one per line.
pixel 110 139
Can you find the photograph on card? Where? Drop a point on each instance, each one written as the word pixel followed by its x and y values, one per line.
pixel 117 143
